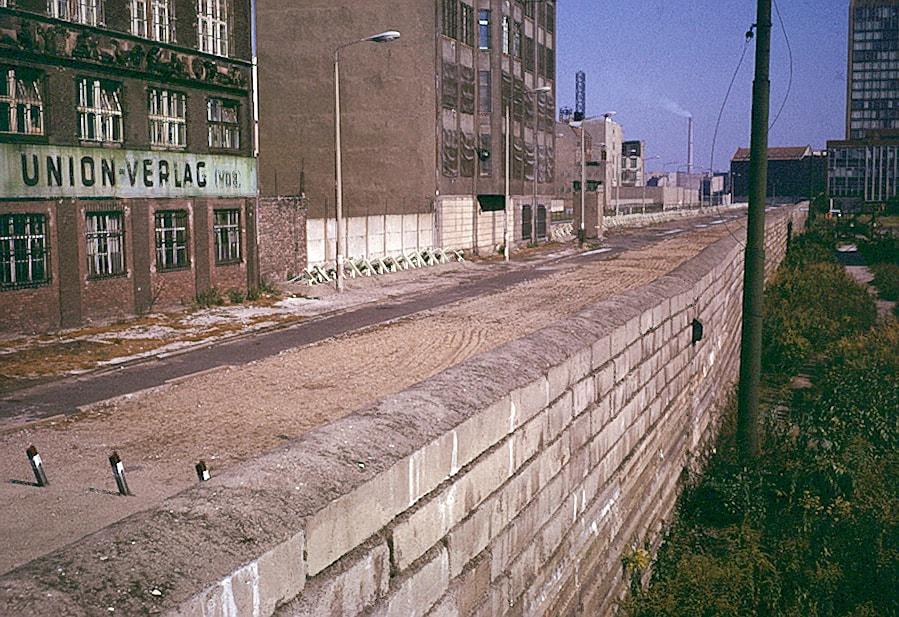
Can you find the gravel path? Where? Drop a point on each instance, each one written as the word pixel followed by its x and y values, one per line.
pixel 235 414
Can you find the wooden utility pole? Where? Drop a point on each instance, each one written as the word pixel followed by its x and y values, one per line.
pixel 754 271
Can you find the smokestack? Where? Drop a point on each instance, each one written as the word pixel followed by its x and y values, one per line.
pixel 690 146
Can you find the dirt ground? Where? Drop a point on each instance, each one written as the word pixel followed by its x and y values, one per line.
pixel 235 414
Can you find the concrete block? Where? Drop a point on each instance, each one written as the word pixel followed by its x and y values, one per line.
pixel 349 520
pixel 414 595
pixel 605 380
pixel 528 401
pixel 417 532
pixel 602 352
pixel 281 574
pixel 558 416
pixel 347 589
pixel 584 394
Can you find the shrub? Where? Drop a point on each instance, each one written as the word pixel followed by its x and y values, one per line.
pixel 809 309
pixel 236 296
pixel 209 298
pixel 882 249
pixel 886 279
pixel 253 294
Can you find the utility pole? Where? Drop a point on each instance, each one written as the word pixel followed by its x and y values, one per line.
pixel 754 270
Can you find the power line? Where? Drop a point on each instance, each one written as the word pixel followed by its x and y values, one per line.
pixel 790 52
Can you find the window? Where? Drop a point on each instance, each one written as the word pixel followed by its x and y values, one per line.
pixel 168 127
pixel 88 12
pixel 212 26
pixel 451 18
pixel 23 252
pixel 21 107
pixel 484 30
pixel 152 19
pixel 550 23
pixel 58 8
pixel 507 34
pixel 485 98
pixel 227 236
pixel 105 234
pixel 467 22
pixel 223 123
pixel 171 240
pixel 516 39
pixel 99 110
pixel 529 8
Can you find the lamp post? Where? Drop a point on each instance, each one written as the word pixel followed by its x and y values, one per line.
pixel 383 37
pixel 536 92
pixel 616 153
pixel 506 226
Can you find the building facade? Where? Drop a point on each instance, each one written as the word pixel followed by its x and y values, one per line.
pixel 632 166
pixel 863 169
pixel 422 117
pixel 127 176
pixel 794 173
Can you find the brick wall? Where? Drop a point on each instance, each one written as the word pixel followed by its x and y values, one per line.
pixel 508 485
pixel 281 225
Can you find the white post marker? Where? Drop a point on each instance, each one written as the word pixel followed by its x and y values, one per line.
pixel 203 471
pixel 118 472
pixel 37 466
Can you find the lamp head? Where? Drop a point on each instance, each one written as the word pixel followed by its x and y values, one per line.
pixel 383 37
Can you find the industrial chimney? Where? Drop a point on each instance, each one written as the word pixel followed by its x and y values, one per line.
pixel 689 147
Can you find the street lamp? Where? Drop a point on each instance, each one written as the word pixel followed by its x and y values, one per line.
pixel 383 37
pixel 583 232
pixel 536 92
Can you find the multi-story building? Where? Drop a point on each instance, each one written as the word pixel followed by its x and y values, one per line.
pixel 126 157
pixel 632 172
pixel 794 173
pixel 863 169
pixel 422 119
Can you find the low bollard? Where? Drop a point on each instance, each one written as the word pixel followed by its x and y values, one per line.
pixel 118 471
pixel 37 466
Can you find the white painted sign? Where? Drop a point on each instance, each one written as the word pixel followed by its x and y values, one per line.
pixel 57 171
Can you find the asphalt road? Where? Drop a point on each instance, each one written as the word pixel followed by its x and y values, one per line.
pixel 67 395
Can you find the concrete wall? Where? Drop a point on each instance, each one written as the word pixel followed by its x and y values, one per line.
pixel 507 485
pixel 377 235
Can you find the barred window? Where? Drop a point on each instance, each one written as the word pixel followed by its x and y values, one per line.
pixel 451 18
pixel 223 123
pixel 105 235
pixel 212 26
pixel 227 236
pixel 88 12
pixel 153 19
pixel 171 240
pixel 168 124
pixel 466 18
pixel 99 110
pixel 58 9
pixel 21 106
pixel 23 250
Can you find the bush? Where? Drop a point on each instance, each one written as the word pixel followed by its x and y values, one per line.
pixel 883 249
pixel 809 309
pixel 886 279
pixel 236 296
pixel 209 298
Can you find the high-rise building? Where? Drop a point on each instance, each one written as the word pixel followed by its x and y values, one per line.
pixel 422 119
pixel 127 174
pixel 863 169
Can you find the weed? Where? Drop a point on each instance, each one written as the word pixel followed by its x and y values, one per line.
pixel 209 298
pixel 236 296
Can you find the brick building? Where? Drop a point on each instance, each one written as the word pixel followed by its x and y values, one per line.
pixel 422 119
pixel 794 173
pixel 127 176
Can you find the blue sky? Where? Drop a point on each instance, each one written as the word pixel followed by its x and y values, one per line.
pixel 644 58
